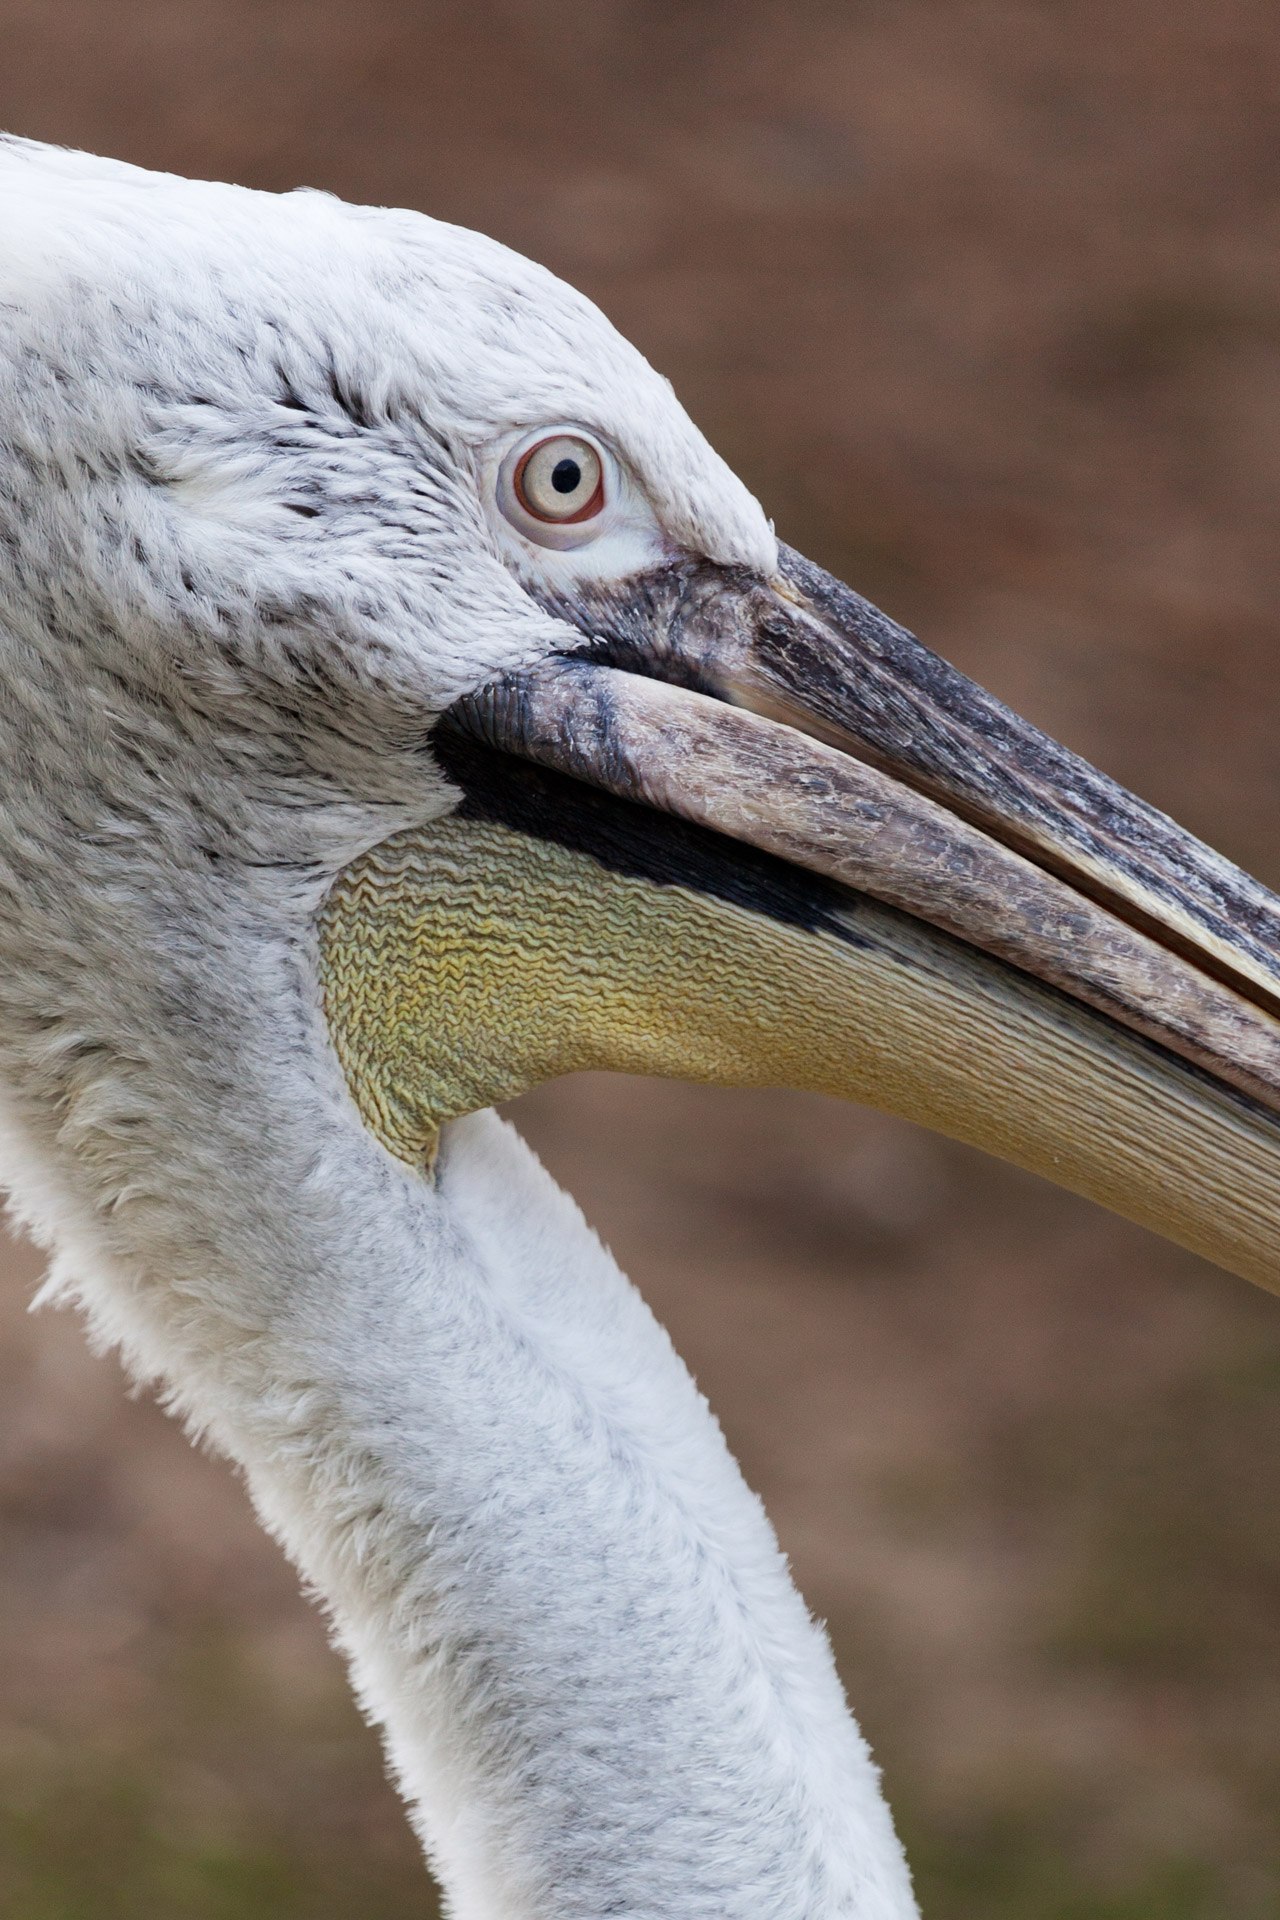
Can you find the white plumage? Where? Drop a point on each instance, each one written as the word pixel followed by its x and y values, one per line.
pixel 247 553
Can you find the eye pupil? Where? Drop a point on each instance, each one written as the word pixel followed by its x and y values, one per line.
pixel 566 476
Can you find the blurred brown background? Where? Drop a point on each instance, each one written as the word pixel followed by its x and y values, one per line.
pixel 984 301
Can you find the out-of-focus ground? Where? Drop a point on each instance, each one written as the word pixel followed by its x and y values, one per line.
pixel 984 300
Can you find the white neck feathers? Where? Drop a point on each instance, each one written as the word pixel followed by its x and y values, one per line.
pixel 599 1690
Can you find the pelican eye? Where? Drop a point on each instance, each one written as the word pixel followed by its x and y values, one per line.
pixel 554 487
pixel 560 480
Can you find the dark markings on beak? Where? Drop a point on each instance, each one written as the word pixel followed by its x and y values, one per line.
pixel 632 839
pixel 809 651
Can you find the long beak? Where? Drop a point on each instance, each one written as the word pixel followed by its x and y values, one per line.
pixel 887 886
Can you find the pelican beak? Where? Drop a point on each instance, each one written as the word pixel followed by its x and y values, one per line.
pixel 753 832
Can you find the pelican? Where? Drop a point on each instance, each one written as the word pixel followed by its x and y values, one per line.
pixel 400 704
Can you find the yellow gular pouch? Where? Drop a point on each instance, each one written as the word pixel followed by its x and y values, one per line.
pixel 464 963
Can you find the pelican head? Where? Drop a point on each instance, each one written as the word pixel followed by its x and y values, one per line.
pixel 403 704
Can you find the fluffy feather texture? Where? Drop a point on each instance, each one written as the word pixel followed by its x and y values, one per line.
pixel 247 551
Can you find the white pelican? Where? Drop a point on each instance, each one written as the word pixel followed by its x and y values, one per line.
pixel 401 703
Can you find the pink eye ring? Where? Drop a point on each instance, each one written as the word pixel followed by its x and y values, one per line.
pixel 560 487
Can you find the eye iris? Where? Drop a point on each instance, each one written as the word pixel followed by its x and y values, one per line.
pixel 560 481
